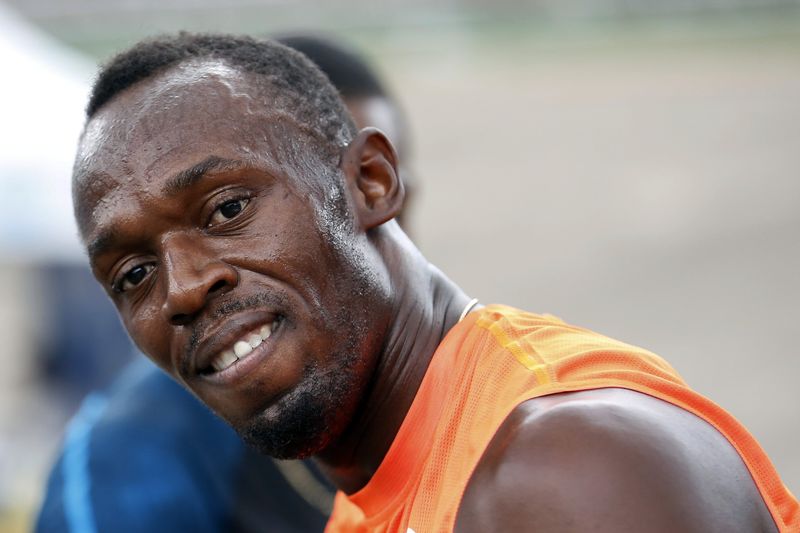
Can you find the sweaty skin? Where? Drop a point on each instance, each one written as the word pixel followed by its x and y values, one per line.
pixel 209 215
pixel 610 460
pixel 351 338
pixel 382 113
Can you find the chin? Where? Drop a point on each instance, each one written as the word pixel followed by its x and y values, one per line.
pixel 305 421
pixel 318 411
pixel 296 433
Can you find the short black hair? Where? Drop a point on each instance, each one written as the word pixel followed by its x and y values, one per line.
pixel 305 90
pixel 347 70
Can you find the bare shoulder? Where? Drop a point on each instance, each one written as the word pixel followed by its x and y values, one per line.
pixel 610 460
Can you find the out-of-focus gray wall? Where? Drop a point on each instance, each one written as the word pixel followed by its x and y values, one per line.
pixel 649 191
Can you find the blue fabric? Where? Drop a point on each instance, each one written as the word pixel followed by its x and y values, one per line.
pixel 151 458
pixel 78 509
pixel 84 347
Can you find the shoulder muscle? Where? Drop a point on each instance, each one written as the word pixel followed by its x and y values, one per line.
pixel 610 460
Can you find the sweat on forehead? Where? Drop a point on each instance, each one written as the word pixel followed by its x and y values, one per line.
pixel 287 70
pixel 181 116
pixel 207 93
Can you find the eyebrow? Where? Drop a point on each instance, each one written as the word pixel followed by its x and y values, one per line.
pixel 186 178
pixel 177 183
pixel 104 240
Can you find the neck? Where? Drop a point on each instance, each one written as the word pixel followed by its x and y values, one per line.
pixel 427 305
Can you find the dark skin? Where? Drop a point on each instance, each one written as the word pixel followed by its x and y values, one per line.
pixel 194 260
pixel 610 460
pixel 282 245
pixel 383 114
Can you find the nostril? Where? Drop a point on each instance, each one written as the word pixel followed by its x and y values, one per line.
pixel 180 319
pixel 218 286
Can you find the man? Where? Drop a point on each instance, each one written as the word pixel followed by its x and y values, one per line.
pixel 244 229
pixel 183 468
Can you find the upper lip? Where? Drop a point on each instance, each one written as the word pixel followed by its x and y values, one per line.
pixel 228 331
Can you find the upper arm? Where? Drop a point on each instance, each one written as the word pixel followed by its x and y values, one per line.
pixel 610 460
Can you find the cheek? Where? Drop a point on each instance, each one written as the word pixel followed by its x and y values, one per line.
pixel 147 333
pixel 290 248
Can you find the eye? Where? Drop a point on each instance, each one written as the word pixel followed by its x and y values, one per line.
pixel 227 210
pixel 133 277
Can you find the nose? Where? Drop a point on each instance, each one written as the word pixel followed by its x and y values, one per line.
pixel 194 276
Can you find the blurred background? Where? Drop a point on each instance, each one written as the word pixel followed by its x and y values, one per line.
pixel 630 166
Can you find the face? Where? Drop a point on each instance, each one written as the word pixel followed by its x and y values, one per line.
pixel 234 262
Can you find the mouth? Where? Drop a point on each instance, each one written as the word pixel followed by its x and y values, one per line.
pixel 240 349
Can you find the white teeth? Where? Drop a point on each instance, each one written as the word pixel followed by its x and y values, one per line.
pixel 225 359
pixel 254 339
pixel 241 348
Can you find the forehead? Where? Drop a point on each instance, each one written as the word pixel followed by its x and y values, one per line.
pixel 168 123
pixel 163 112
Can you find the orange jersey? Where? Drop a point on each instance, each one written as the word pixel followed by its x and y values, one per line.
pixel 486 366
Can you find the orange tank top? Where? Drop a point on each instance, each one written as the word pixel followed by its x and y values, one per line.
pixel 487 365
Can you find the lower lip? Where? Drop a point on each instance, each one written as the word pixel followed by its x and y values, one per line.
pixel 242 368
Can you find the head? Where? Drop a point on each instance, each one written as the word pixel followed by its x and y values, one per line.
pixel 236 217
pixel 365 96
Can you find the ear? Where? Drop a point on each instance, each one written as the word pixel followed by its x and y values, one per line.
pixel 369 164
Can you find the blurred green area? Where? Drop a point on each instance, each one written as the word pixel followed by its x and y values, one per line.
pixel 416 28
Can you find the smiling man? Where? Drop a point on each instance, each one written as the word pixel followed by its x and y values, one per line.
pixel 220 484
pixel 244 229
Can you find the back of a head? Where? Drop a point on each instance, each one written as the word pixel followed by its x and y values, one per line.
pixel 347 70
